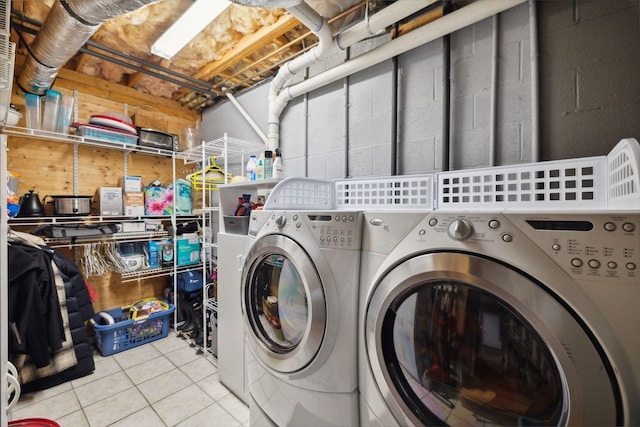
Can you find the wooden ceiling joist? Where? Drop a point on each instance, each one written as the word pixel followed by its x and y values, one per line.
pixel 248 45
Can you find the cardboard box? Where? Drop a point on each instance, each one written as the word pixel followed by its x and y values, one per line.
pixel 134 203
pixel 150 120
pixel 110 201
pixel 154 249
pixel 188 247
pixel 131 183
pixel 132 227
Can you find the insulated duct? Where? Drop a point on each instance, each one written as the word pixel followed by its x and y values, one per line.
pixel 268 3
pixel 69 25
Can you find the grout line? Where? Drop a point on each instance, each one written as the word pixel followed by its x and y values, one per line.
pixel 77 389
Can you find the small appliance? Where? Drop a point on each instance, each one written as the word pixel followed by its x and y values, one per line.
pixel 157 139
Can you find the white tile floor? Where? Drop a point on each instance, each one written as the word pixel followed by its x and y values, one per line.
pixel 163 383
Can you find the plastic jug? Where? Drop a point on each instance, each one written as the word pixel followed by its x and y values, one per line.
pixel 252 166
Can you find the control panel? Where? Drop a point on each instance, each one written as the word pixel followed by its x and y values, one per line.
pixel 336 230
pixel 590 247
pixel 598 246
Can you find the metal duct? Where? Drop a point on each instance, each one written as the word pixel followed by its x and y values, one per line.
pixel 69 25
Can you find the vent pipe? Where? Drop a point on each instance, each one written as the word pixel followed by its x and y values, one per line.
pixel 278 92
pixel 69 25
pixel 320 27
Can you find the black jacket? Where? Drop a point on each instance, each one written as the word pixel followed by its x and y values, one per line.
pixel 34 310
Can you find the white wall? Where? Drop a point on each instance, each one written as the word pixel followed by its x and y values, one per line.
pixel 589 97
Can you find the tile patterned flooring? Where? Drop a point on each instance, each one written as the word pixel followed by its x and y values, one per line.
pixel 163 383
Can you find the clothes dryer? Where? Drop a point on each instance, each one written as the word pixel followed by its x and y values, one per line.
pixel 300 301
pixel 500 318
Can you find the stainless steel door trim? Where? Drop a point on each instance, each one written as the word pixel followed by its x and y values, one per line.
pixel 589 393
pixel 303 354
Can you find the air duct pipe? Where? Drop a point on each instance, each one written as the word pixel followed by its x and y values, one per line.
pixel 69 25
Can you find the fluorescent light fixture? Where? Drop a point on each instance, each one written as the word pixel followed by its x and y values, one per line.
pixel 195 19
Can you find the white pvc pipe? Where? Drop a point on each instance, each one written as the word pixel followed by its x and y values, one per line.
pixel 319 26
pixel 535 91
pixel 247 117
pixel 454 21
pixel 305 14
pixel 379 21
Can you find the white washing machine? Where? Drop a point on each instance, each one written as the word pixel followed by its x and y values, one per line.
pixel 500 319
pixel 300 303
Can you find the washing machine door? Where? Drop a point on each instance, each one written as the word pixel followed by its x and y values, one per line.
pixel 283 303
pixel 458 339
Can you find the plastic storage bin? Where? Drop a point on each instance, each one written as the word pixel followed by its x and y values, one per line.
pixel 126 333
pixel 65 114
pixel 33 105
pixel 51 110
pixel 105 134
pixel 236 224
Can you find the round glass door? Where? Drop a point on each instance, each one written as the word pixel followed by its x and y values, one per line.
pixel 458 347
pixel 284 304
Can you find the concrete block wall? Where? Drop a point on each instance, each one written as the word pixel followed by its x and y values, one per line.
pixel 589 76
pixel 589 80
pixel 420 109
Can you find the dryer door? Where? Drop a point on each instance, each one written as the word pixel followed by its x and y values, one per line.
pixel 283 304
pixel 457 339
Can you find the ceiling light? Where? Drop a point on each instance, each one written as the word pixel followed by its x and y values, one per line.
pixel 195 19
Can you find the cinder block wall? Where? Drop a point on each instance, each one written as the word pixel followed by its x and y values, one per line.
pixel 588 87
pixel 589 76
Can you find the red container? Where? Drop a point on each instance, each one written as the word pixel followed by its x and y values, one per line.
pixel 34 422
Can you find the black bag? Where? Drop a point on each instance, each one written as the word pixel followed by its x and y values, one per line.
pixel 190 281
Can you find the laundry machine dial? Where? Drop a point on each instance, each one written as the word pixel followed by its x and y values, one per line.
pixel 460 229
pixel 281 220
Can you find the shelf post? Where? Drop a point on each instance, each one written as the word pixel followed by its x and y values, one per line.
pixel 75 169
pixel 4 280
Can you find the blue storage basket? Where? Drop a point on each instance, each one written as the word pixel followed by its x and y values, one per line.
pixel 125 334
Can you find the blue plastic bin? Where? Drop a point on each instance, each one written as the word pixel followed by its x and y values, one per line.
pixel 125 334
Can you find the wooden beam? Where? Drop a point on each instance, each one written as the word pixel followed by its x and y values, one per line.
pixel 418 22
pixel 95 86
pixel 84 58
pixel 134 78
pixel 248 45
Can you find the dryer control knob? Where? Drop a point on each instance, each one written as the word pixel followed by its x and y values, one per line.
pixel 281 220
pixel 460 229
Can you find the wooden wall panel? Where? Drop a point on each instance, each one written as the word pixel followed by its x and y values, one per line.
pixel 47 166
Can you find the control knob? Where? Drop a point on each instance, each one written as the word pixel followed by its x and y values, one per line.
pixel 281 220
pixel 460 229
